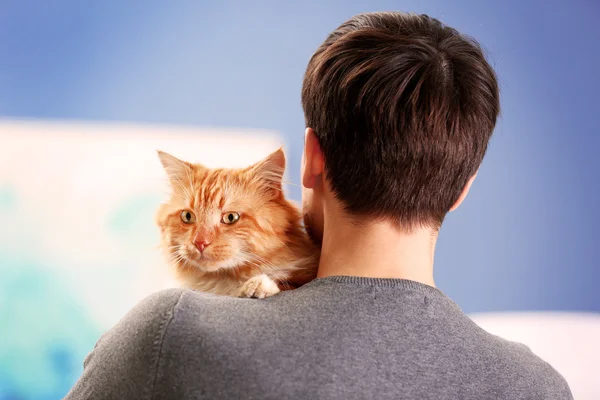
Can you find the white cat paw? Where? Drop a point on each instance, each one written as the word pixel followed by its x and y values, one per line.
pixel 260 286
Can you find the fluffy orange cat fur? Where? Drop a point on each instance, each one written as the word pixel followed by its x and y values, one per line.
pixel 232 232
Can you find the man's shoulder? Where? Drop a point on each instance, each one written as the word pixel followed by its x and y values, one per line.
pixel 524 371
pixel 145 321
pixel 178 300
pixel 177 305
pixel 122 364
pixel 159 302
pixel 193 311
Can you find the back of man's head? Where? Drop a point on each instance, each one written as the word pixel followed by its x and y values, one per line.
pixel 403 109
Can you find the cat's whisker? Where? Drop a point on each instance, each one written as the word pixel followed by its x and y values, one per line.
pixel 264 266
pixel 185 190
pixel 175 258
pixel 173 192
pixel 290 183
pixel 184 199
pixel 251 258
pixel 262 261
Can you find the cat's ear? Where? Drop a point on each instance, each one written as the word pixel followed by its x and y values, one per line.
pixel 270 170
pixel 176 169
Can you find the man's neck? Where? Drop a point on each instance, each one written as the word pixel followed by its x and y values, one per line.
pixel 376 250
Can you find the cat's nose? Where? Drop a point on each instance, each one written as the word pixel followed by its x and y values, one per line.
pixel 201 244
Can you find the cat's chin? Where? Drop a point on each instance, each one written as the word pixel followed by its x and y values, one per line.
pixel 203 264
pixel 207 265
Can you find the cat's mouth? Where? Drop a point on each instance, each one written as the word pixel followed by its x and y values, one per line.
pixel 202 261
pixel 200 257
pixel 190 257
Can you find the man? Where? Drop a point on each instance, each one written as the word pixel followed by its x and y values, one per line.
pixel 399 109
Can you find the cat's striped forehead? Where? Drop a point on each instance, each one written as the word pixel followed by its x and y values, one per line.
pixel 203 189
pixel 218 188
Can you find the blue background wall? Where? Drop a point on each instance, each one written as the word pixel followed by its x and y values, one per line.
pixel 525 239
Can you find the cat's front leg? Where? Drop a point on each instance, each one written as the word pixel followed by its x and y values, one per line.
pixel 260 286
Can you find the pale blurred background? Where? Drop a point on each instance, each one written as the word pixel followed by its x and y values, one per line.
pixel 89 91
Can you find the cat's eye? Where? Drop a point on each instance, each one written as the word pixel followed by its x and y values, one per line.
pixel 188 217
pixel 230 218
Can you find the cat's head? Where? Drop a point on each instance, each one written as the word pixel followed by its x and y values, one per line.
pixel 223 218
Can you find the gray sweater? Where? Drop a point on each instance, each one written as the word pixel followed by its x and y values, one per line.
pixel 334 338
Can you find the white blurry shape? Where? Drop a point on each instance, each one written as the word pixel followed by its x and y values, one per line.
pixel 70 179
pixel 568 341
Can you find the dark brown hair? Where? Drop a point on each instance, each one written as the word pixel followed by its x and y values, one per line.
pixel 403 108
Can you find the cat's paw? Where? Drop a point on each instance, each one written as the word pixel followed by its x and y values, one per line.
pixel 260 286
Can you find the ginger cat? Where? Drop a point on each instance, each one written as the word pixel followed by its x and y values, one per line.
pixel 232 232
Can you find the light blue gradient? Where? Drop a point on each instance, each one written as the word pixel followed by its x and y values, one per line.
pixel 45 333
pixel 526 237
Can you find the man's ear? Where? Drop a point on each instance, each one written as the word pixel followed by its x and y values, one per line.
pixel 314 162
pixel 464 193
